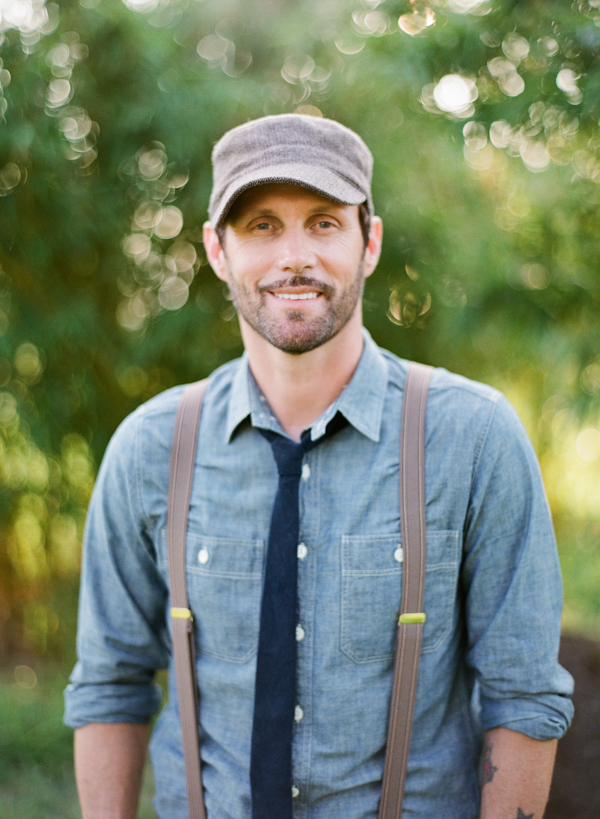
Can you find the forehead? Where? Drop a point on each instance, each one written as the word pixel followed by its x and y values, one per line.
pixel 271 197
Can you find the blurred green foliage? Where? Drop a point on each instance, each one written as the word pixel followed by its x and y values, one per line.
pixel 36 756
pixel 483 119
pixel 36 749
pixel 29 733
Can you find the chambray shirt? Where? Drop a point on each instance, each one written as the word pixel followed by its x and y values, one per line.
pixel 492 595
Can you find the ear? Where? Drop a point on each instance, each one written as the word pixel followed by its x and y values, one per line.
pixel 214 252
pixel 373 249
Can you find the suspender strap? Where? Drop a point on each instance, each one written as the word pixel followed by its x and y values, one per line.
pixel 183 459
pixel 412 617
pixel 410 621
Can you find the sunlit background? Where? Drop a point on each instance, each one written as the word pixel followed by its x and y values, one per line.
pixel 483 119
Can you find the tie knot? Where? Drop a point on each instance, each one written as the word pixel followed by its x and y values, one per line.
pixel 288 456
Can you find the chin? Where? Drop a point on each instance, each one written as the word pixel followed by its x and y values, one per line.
pixel 301 338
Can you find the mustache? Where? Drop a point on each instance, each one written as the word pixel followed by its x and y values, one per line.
pixel 297 281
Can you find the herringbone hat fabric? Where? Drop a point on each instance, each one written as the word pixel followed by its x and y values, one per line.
pixel 313 152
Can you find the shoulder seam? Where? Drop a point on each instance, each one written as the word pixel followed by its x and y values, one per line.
pixel 483 437
pixel 483 391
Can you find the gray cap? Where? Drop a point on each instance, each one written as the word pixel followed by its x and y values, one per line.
pixel 316 153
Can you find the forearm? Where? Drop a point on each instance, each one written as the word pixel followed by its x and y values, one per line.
pixel 515 775
pixel 109 763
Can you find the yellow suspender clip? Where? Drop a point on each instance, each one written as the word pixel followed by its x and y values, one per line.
pixel 181 614
pixel 411 618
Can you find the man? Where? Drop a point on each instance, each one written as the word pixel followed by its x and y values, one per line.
pixel 293 234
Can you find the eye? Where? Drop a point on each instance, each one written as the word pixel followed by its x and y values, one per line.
pixel 324 224
pixel 262 226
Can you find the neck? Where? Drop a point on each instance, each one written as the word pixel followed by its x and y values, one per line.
pixel 299 388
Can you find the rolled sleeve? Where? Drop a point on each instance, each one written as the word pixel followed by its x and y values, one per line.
pixel 103 702
pixel 122 636
pixel 513 587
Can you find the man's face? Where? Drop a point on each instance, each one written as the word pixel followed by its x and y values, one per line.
pixel 295 263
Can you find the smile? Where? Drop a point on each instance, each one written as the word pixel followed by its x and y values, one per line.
pixel 296 296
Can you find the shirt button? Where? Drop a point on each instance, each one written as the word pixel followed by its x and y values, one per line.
pixel 299 633
pixel 203 556
pixel 302 551
pixel 399 555
pixel 298 713
pixel 305 472
pixel 295 792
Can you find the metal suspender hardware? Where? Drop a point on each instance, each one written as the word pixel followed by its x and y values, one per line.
pixel 410 620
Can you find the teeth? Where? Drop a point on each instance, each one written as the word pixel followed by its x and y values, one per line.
pixel 296 296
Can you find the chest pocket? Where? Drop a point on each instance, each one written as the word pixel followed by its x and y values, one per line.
pixel 372 587
pixel 224 588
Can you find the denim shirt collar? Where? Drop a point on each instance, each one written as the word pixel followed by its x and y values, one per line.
pixel 361 401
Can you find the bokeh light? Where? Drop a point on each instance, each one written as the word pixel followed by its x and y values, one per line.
pixel 27 16
pixel 455 94
pixel 588 444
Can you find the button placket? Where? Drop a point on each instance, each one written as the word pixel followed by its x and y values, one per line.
pixel 304 572
pixel 309 518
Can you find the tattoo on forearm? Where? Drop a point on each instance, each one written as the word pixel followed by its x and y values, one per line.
pixel 488 769
pixel 521 815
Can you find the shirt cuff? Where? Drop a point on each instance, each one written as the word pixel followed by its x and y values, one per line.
pixel 538 720
pixel 121 702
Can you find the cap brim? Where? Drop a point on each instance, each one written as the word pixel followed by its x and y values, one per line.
pixel 315 178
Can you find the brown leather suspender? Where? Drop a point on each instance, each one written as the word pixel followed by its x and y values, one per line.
pixel 410 621
pixel 183 459
pixel 412 617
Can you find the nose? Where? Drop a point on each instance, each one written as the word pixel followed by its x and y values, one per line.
pixel 296 254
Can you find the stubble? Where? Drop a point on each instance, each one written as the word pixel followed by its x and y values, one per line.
pixel 296 332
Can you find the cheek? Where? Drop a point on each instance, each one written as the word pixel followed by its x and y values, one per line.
pixel 347 249
pixel 248 265
pixel 245 279
pixel 345 264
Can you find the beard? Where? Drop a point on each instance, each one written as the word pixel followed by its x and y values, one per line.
pixel 296 332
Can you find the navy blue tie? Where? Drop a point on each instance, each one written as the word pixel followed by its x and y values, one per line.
pixel 275 692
